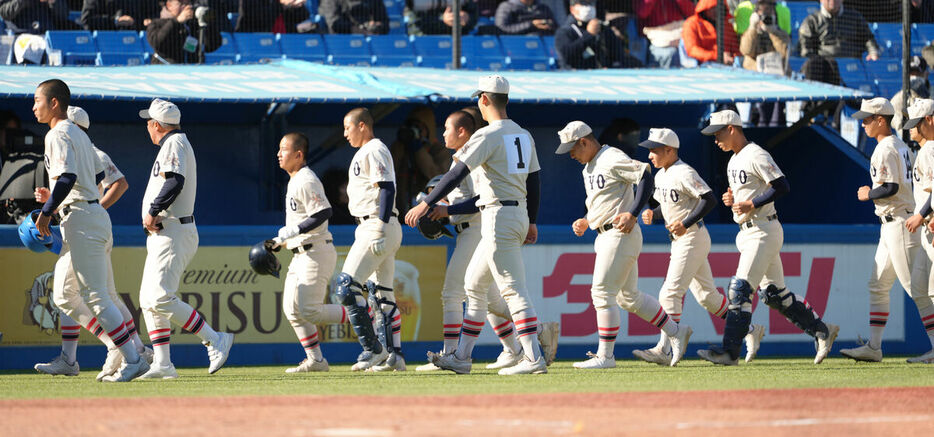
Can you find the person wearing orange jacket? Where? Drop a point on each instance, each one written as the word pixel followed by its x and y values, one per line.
pixel 700 34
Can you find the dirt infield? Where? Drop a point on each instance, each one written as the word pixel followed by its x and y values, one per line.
pixel 849 412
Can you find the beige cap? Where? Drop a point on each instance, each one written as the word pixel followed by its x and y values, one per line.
pixel 493 83
pixel 574 131
pixel 876 106
pixel 79 116
pixel 162 111
pixel 918 110
pixel 722 119
pixel 661 137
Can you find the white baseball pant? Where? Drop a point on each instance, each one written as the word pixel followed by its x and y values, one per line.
pixel 689 268
pixel 168 253
pixel 895 255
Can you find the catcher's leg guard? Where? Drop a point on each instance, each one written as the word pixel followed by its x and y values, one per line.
pixel 387 313
pixel 348 293
pixel 738 317
pixel 796 311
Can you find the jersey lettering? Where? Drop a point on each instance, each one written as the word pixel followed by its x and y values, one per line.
pixel 292 204
pixel 518 149
pixel 738 176
pixel 155 169
pixel 356 169
pixel 907 165
pixel 599 179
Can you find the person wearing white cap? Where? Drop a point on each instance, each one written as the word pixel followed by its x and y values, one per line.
pixel 172 242
pixel 681 200
pixel 755 183
pixel 609 176
pixel 74 171
pixel 503 155
pixel 897 253
pixel 65 290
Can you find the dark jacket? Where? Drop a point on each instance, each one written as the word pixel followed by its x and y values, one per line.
pixel 428 22
pixel 33 16
pixel 261 16
pixel 102 14
pixel 582 50
pixel 515 18
pixel 351 16
pixel 167 37
pixel 844 36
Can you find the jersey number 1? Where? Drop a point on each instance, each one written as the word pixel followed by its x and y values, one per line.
pixel 518 149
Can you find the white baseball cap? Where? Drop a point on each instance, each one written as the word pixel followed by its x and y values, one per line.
pixel 493 83
pixel 918 110
pixel 660 138
pixel 876 106
pixel 574 131
pixel 79 116
pixel 722 119
pixel 162 111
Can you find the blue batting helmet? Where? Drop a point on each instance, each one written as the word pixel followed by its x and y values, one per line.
pixel 29 235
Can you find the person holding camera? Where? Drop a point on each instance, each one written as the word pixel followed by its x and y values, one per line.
pixel 525 17
pixel 417 155
pixel 276 16
pixel 585 43
pixel 117 14
pixel 764 44
pixel 436 17
pixel 366 17
pixel 183 33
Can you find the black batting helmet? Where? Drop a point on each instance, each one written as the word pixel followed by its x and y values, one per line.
pixel 433 229
pixel 263 261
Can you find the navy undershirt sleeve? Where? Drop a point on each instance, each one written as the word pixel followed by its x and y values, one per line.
pixel 314 220
pixel 706 204
pixel 656 210
pixel 887 189
pixel 468 206
pixel 387 193
pixel 777 188
pixel 64 184
pixel 98 178
pixel 448 182
pixel 533 188
pixel 643 192
pixel 926 208
pixel 173 185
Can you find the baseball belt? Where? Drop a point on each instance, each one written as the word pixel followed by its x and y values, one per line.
pixel 67 209
pixel 503 203
pixel 604 228
pixel 888 218
pixel 359 220
pixel 307 247
pixel 461 226
pixel 183 220
pixel 673 237
pixel 751 223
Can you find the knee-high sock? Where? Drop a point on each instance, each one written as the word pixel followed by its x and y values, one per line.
pixel 197 326
pixel 452 321
pixel 308 336
pixel 160 332
pixel 607 329
pixel 651 311
pixel 130 325
pixel 504 330
pixel 927 319
pixel 112 321
pixel 878 317
pixel 70 330
pixel 473 325
pixel 527 331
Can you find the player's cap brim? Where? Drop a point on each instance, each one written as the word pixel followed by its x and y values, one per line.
pixel 859 115
pixel 649 144
pixel 144 114
pixel 476 94
pixel 712 129
pixel 565 148
pixel 912 122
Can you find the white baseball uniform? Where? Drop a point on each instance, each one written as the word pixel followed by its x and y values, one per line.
pixel 312 265
pixel 921 173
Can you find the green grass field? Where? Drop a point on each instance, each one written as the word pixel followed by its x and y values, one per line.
pixel 562 378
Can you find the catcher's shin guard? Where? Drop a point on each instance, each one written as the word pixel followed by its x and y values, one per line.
pixel 387 312
pixel 348 293
pixel 738 317
pixel 796 311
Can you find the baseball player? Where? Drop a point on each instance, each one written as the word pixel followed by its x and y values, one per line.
pixel 891 192
pixel 463 213
pixel 755 182
pixel 306 234
pixel 507 180
pixel 682 199
pixel 73 170
pixel 65 291
pixel 167 209
pixel 371 190
pixel 612 208
pixel 921 123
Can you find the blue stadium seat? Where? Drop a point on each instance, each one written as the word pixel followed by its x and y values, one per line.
pixel 393 51
pixel 230 24
pixel 853 74
pixel 303 46
pixel 923 31
pixel 435 62
pixel 482 53
pixel 145 42
pixel 257 47
pixel 795 63
pixel 397 25
pixel 889 38
pixel 884 69
pixel 119 48
pixel 433 51
pixel 226 54
pixel 312 6
pixel 638 46
pixel 888 88
pixel 800 10
pixel 77 46
pixel 120 59
pixel 393 7
pixel 548 42
pixel 348 50
pixel 525 52
pixel 73 16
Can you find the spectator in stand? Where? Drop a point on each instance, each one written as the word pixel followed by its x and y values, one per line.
pixel 584 43
pixel 661 22
pixel 745 10
pixel 430 17
pixel 276 16
pixel 837 32
pixel 36 16
pixel 117 14
pixel 525 17
pixel 418 155
pixel 918 88
pixel 875 11
pixel 922 11
pixel 700 34
pixel 764 46
pixel 366 17
pixel 174 36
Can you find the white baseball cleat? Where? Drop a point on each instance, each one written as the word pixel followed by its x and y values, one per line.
pixel 548 334
pixel 430 367
pixel 753 340
pixel 718 356
pixel 111 364
pixel 147 354
pixel 596 362
pixel 451 362
pixel 526 366
pixel 160 372
pixel 129 371
pixel 653 356
pixel 393 363
pixel 58 366
pixel 218 353
pixel 369 359
pixel 927 358
pixel 825 344
pixel 863 353
pixel 679 343
pixel 310 365
pixel 506 359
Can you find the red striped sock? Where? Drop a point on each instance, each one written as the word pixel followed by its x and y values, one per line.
pixel 527 326
pixel 194 324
